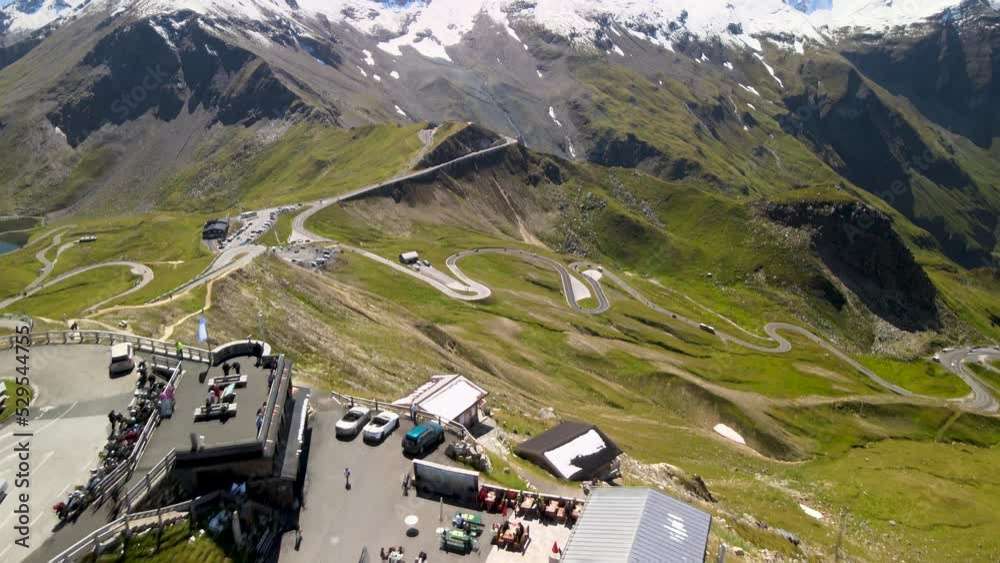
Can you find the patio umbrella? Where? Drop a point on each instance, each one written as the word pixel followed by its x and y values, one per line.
pixel 555 547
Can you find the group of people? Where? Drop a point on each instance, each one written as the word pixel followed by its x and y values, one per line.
pixel 234 367
pixel 396 554
pixel 260 415
pixel 124 432
pixel 214 396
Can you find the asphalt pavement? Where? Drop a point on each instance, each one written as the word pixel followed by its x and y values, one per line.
pixel 69 427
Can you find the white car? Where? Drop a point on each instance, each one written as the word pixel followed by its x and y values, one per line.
pixel 353 421
pixel 122 359
pixel 381 426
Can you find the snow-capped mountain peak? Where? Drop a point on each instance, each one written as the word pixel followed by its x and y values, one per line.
pixel 432 25
pixel 24 16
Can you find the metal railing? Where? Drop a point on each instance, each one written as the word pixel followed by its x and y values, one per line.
pixel 404 412
pixel 150 480
pixel 124 471
pixel 141 343
pixel 94 542
pixel 19 318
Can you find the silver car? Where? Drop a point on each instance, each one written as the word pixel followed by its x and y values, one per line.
pixel 351 424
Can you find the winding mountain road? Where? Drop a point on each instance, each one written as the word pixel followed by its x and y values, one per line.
pixel 979 399
pixel 467 289
pixel 301 234
pixel 138 269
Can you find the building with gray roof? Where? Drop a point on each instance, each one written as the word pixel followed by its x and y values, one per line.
pixel 637 525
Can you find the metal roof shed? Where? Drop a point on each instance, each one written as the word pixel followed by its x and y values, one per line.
pixel 636 525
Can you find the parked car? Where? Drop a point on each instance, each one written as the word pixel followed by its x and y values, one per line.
pixel 381 426
pixel 423 438
pixel 352 422
pixel 122 359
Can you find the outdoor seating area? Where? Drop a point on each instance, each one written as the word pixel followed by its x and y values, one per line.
pixel 512 535
pixel 529 505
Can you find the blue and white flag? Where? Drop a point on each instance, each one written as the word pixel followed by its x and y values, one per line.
pixel 202 328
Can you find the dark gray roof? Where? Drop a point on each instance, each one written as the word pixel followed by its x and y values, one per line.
pixel 635 525
pixel 535 449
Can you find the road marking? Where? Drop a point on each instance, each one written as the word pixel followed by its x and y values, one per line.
pixel 40 430
pixel 35 468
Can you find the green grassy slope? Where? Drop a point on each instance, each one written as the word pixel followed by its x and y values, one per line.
pixel 308 162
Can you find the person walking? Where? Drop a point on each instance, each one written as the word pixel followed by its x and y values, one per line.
pixel 347 478
pixel 180 349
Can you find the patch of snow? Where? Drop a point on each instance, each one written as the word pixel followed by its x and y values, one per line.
pixel 751 42
pixel 394 74
pixel 163 33
pixel 571 149
pixel 799 47
pixel 613 30
pixel 210 51
pixel 750 89
pixel 729 433
pixel 539 73
pixel 369 59
pixel 400 111
pixel 811 512
pixel 525 46
pixel 377 78
pixel 427 46
pixel 705 58
pixel 769 69
pixel 749 105
pixel 320 62
pixel 618 50
pixel 552 114
pixel 512 33
pixel 361 70
pixel 584 445
pixel 728 65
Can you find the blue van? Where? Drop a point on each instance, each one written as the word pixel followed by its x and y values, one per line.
pixel 423 437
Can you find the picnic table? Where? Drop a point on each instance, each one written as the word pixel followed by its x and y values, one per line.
pixel 457 540
pixel 528 505
pixel 472 523
pixel 551 508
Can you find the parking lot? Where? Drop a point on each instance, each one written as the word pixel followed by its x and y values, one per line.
pixel 69 426
pixel 314 256
pixel 337 523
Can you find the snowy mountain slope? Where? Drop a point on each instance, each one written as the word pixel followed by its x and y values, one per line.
pixel 431 26
pixel 25 16
pixel 567 78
